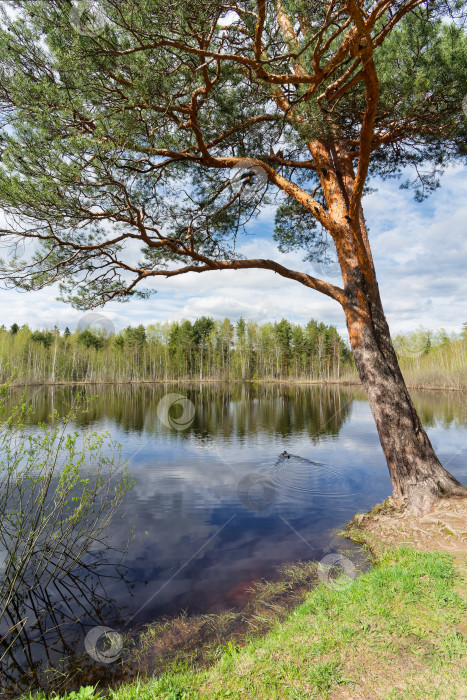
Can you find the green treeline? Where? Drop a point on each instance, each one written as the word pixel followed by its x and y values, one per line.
pixel 205 349
pixel 433 359
pixel 219 350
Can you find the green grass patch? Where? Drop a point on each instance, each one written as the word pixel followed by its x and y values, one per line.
pixel 391 634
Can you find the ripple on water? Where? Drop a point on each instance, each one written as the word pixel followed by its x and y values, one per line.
pixel 299 474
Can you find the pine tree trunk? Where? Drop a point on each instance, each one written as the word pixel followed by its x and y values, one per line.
pixel 416 472
pixel 418 478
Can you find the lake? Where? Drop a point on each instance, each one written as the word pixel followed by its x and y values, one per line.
pixel 216 503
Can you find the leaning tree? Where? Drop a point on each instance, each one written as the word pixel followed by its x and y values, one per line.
pixel 140 137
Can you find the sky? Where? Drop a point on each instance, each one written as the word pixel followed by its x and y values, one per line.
pixel 420 253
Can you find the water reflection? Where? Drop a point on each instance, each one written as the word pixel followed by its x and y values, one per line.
pixel 222 410
pixel 59 494
pixel 437 408
pixel 43 625
pixel 240 407
pixel 295 473
pixel 219 505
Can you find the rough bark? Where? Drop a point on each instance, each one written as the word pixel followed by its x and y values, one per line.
pixel 338 145
pixel 417 475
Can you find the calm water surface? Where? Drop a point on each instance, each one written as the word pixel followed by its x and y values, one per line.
pixel 216 505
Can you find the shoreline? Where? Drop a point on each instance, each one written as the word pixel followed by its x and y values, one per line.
pixel 395 559
pixel 351 382
pixel 401 624
pixel 154 649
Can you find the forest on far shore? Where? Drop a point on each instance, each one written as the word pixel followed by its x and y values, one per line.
pixel 204 349
pixel 217 350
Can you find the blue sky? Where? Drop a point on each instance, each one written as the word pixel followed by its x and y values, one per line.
pixel 420 253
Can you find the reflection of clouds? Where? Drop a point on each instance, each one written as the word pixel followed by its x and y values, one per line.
pixel 243 552
pixel 449 441
pixel 183 487
pixel 186 485
pixel 204 479
pixel 180 504
pixel 204 476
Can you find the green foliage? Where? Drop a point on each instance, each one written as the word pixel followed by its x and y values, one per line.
pixel 248 351
pixel 59 491
pixel 100 149
pixel 202 327
pixel 205 348
pixel 283 333
pixel 326 675
pixel 422 69
pixel 90 339
pixel 296 229
pixel 135 337
pixel 87 692
pixel 404 608
pixel 433 359
pixel 44 337
pixel 241 329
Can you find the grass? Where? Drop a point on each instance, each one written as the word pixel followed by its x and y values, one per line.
pixel 392 634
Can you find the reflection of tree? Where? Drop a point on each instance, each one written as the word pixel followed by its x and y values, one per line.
pixel 47 624
pixel 58 495
pixel 222 410
pixel 275 410
pixel 446 408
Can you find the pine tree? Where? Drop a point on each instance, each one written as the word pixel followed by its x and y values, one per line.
pixel 304 100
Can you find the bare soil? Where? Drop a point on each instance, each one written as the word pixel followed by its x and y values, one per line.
pixel 443 529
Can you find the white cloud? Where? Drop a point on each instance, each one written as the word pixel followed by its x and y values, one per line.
pixel 420 253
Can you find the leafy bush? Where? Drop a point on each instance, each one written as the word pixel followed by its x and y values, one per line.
pixel 59 491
